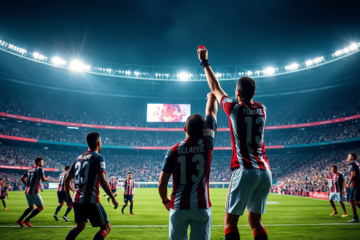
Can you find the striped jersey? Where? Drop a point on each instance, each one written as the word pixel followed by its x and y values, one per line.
pixel 189 163
pixel 85 168
pixel 62 177
pixel 129 187
pixel 336 182
pixel 247 124
pixel 3 190
pixel 113 184
pixel 34 175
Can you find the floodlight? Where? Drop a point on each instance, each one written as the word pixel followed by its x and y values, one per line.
pixel 269 71
pixel 78 66
pixel 57 61
pixel 38 56
pixel 249 73
pixel 183 76
pixel 353 47
pixel 292 67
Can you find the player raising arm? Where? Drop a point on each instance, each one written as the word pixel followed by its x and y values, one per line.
pixel 251 177
pixel 31 179
pixel 88 169
pixel 189 163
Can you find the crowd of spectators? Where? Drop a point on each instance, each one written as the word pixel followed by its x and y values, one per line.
pixel 84 108
pixel 311 174
pixel 167 139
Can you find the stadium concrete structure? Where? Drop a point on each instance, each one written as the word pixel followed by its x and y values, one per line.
pixel 329 79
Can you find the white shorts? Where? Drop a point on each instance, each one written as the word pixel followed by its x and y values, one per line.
pixel 336 197
pixel 248 188
pixel 34 199
pixel 198 219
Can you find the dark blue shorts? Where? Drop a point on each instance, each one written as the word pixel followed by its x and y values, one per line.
pixel 95 212
pixel 127 198
pixel 354 194
pixel 62 196
pixel 114 190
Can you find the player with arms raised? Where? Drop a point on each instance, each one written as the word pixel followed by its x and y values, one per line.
pixel 31 179
pixel 129 192
pixel 189 162
pixel 61 193
pixel 88 169
pixel 354 185
pixel 251 177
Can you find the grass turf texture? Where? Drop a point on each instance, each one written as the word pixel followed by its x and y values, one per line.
pixel 149 211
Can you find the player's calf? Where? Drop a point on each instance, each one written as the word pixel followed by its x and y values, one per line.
pixel 105 230
pixel 73 233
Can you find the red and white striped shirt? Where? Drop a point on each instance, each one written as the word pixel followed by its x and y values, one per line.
pixel 335 182
pixel 189 162
pixel 33 175
pixel 247 124
pixel 113 184
pixel 129 187
pixel 62 177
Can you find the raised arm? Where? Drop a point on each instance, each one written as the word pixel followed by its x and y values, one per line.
pixel 211 105
pixel 213 82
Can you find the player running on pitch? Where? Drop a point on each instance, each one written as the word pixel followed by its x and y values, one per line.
pixel 251 177
pixel 337 190
pixel 4 189
pixel 31 180
pixel 129 192
pixel 89 172
pixel 354 185
pixel 113 186
pixel 189 162
pixel 61 193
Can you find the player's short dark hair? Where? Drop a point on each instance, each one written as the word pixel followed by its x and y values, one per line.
pixel 195 125
pixel 67 168
pixel 334 166
pixel 91 139
pixel 1 178
pixel 247 87
pixel 353 155
pixel 128 173
pixel 38 159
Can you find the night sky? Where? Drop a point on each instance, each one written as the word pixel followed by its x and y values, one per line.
pixel 167 32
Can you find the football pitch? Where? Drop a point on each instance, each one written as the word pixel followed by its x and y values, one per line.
pixel 287 217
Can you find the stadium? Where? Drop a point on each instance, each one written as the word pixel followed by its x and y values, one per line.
pixel 49 103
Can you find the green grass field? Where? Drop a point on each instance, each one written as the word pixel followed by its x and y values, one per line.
pixel 291 218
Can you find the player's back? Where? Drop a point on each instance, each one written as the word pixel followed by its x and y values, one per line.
pixel 62 177
pixel 247 125
pixel 189 162
pixel 33 175
pixel 85 168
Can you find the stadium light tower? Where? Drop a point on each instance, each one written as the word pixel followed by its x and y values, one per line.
pixel 58 61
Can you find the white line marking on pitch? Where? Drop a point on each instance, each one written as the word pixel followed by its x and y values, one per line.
pixel 158 226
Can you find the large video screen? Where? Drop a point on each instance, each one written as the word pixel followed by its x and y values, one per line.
pixel 168 112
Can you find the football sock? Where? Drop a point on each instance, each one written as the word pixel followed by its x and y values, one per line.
pixel 71 235
pixel 108 200
pixel 26 212
pixel 58 209
pixel 260 234
pixel 358 205
pixel 67 211
pixel 123 207
pixel 232 233
pixel 33 214
pixel 131 208
pixel 4 203
pixel 100 235
pixel 355 215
